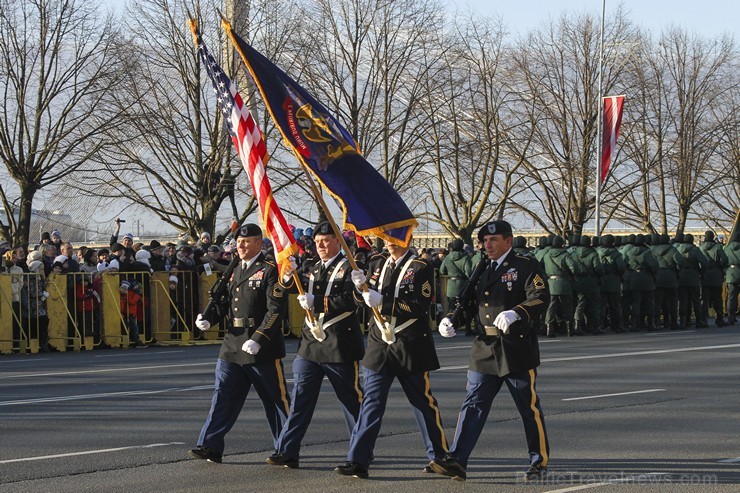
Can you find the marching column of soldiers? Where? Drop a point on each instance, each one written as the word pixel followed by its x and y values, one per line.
pixel 637 283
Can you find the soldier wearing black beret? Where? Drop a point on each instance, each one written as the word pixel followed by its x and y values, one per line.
pixel 331 346
pixel 510 294
pixel 252 350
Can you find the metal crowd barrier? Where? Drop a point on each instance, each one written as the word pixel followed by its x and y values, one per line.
pixel 84 311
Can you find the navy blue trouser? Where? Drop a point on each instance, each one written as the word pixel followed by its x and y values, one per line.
pixel 424 404
pixel 482 388
pixel 233 382
pixel 307 378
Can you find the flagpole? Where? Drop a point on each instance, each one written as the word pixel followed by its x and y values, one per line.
pixel 600 125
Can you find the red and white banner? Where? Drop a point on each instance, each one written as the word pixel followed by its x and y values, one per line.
pixel 612 121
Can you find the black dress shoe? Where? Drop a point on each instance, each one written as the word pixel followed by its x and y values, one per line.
pixel 352 469
pixel 449 467
pixel 282 460
pixel 536 472
pixel 205 453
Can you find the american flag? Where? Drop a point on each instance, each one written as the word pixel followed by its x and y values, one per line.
pixel 252 150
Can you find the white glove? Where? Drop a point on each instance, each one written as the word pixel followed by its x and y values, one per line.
pixel 372 298
pixel 202 323
pixel 446 329
pixel 358 278
pixel 44 295
pixel 289 273
pixel 505 319
pixel 97 296
pixel 306 301
pixel 251 347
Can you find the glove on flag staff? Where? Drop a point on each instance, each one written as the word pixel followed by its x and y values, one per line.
pixel 328 152
pixel 613 106
pixel 252 150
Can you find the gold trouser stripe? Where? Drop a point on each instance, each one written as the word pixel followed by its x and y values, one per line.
pixel 281 383
pixel 438 419
pixel 358 390
pixel 538 419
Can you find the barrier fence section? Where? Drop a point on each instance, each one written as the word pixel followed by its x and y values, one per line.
pixel 74 311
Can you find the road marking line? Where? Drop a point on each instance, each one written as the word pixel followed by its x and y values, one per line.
pixel 613 395
pixel 143 353
pixel 24 360
pixel 213 363
pixel 578 488
pixel 107 370
pixel 89 452
pixel 640 353
pixel 81 397
pixel 729 461
pixel 41 400
pixel 671 333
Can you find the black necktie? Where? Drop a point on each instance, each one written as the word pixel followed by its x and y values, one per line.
pixel 490 271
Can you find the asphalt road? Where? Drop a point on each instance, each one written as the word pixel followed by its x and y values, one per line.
pixel 637 412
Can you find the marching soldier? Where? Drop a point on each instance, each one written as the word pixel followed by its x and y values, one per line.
pixel 400 346
pixel 252 350
pixel 331 346
pixel 510 294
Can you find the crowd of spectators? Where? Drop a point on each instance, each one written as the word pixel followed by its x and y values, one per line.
pixel 597 286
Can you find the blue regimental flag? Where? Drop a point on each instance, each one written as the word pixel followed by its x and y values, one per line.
pixel 328 151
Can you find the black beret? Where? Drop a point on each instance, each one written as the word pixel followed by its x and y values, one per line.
pixel 495 228
pixel 323 228
pixel 249 229
pixel 154 244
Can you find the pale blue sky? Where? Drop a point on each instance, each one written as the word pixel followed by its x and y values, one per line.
pixel 706 18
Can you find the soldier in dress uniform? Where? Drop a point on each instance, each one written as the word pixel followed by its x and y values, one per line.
pixel 331 346
pixel 400 346
pixel 510 293
pixel 252 350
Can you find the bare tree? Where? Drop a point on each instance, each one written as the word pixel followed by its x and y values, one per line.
pixel 700 79
pixel 171 153
pixel 373 57
pixel 558 66
pixel 468 140
pixel 59 68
